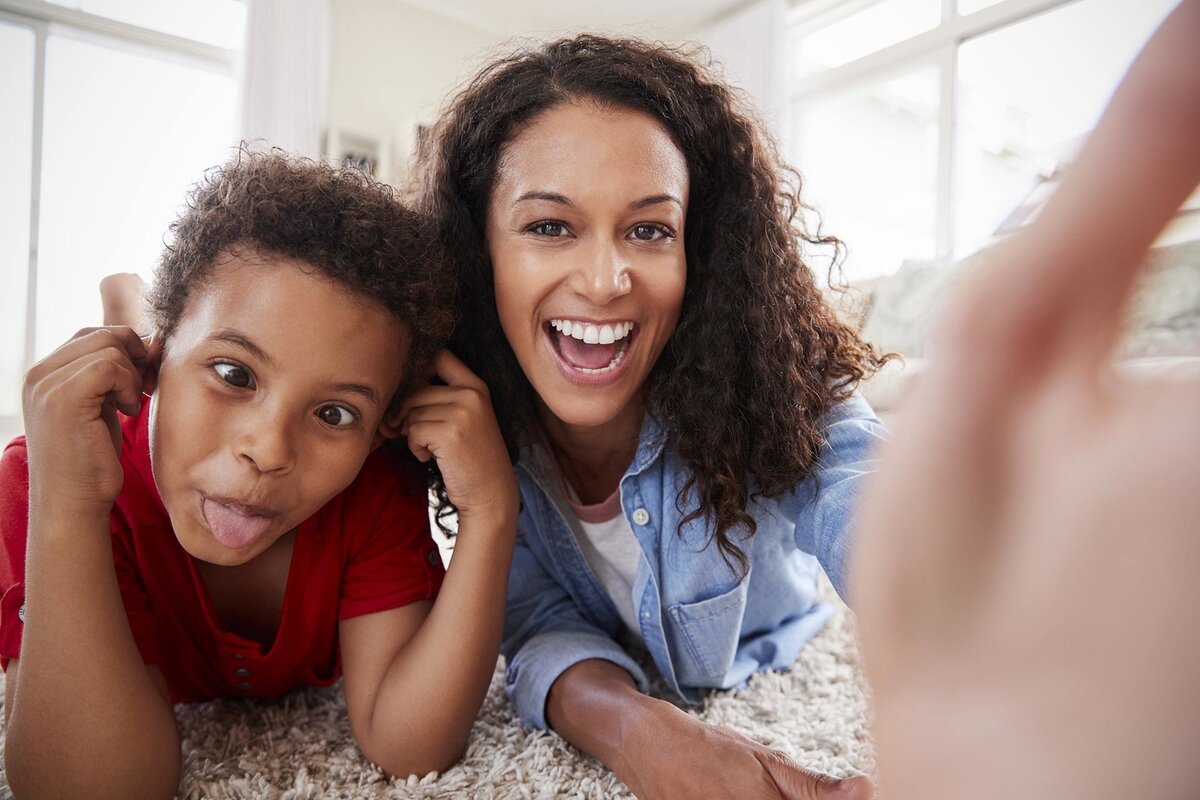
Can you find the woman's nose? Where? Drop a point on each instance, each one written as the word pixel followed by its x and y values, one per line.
pixel 603 275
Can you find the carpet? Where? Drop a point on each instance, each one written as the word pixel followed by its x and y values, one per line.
pixel 301 747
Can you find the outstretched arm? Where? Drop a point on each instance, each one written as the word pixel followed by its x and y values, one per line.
pixel 1025 571
pixel 86 717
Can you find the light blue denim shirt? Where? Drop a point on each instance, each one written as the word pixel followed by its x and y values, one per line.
pixel 703 626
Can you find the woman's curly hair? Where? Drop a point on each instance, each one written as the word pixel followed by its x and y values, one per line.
pixel 758 356
pixel 348 226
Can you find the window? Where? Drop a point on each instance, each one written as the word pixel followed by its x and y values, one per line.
pixel 925 128
pixel 105 125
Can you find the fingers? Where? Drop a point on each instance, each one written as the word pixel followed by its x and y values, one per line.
pixel 1059 288
pixel 89 340
pixel 455 373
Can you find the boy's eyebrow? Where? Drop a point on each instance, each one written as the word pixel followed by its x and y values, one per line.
pixel 243 341
pixel 357 388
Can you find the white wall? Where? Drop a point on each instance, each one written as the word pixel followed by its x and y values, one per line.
pixel 391 67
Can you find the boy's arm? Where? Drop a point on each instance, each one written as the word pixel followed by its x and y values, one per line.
pixel 416 676
pixel 87 717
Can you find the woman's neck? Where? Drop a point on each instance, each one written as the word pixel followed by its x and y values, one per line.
pixel 593 459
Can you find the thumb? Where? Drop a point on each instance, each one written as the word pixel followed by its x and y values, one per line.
pixel 794 782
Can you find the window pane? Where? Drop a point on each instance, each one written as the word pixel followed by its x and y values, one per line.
pixel 970 6
pixel 1028 96
pixel 218 22
pixel 127 131
pixel 864 32
pixel 16 165
pixel 869 159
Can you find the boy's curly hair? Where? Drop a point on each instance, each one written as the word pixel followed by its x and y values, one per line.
pixel 350 227
pixel 758 356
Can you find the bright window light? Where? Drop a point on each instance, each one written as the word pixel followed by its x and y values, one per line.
pixel 869 160
pixel 864 32
pixel 217 22
pixel 16 165
pixel 1028 96
pixel 127 131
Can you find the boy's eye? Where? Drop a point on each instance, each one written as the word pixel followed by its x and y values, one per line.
pixel 234 375
pixel 337 416
pixel 649 232
pixel 548 228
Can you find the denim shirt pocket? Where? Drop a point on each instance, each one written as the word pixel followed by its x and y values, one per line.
pixel 704 635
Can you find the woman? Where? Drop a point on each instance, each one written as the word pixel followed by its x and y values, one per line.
pixel 678 395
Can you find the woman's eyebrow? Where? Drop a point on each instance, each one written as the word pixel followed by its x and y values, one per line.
pixel 655 199
pixel 552 197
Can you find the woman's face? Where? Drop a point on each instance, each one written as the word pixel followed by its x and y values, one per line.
pixel 585 232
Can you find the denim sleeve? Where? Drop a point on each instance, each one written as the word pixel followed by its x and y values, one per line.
pixel 546 633
pixel 823 504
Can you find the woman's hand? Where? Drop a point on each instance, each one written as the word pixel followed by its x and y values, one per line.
pixel 1025 574
pixel 456 425
pixel 70 404
pixel 681 757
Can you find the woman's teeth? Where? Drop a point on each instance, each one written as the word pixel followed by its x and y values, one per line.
pixel 592 334
pixel 592 349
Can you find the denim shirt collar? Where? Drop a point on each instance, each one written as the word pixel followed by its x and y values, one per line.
pixel 538 463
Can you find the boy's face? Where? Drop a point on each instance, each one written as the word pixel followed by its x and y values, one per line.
pixel 270 395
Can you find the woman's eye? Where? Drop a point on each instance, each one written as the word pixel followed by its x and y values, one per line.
pixel 234 375
pixel 649 232
pixel 337 416
pixel 549 228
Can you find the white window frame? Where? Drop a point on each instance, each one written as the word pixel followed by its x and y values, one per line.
pixel 938 45
pixel 45 19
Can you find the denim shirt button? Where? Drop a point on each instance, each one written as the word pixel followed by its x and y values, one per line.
pixel 641 516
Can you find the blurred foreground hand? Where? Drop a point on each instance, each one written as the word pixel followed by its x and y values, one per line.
pixel 1026 573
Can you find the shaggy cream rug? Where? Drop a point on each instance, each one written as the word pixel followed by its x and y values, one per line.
pixel 301 746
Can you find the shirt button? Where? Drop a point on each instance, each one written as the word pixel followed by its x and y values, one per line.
pixel 238 656
pixel 242 672
pixel 245 687
pixel 21 614
pixel 641 516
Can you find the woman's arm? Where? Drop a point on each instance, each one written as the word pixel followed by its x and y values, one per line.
pixel 86 717
pixel 416 676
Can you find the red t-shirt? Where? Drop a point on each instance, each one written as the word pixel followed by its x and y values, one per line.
pixel 368 549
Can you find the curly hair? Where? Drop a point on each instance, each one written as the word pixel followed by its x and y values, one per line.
pixel 351 228
pixel 758 356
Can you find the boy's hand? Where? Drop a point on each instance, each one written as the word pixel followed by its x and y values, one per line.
pixel 456 425
pixel 70 403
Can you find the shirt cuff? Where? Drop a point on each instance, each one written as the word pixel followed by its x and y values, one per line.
pixel 537 665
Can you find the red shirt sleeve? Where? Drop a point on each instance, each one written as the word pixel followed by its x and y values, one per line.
pixel 14 527
pixel 392 559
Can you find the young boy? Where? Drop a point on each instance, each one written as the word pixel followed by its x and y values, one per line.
pixel 242 532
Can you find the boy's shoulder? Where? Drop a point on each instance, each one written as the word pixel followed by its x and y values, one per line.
pixel 386 477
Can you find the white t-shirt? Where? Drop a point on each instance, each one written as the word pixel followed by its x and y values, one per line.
pixel 610 549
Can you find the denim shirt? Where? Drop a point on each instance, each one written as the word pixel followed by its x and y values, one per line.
pixel 702 625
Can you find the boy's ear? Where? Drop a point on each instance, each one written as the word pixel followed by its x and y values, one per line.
pixel 148 366
pixel 389 428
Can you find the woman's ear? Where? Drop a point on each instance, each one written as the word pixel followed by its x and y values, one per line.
pixel 148 365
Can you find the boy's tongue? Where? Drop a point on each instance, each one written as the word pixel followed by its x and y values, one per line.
pixel 231 527
pixel 585 356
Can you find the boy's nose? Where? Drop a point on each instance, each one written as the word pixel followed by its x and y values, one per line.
pixel 603 276
pixel 267 445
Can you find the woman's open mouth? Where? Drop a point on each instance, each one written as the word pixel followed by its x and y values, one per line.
pixel 590 352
